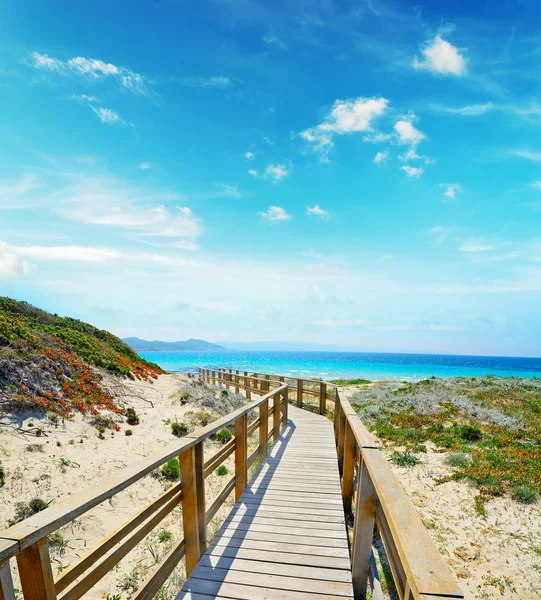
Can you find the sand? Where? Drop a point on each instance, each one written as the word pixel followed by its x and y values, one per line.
pixel 36 467
pixel 497 556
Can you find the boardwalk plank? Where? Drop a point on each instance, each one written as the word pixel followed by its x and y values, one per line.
pixel 286 538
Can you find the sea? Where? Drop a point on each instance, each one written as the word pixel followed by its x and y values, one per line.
pixel 347 365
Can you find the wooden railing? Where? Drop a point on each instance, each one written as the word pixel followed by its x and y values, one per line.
pixel 26 542
pixel 310 394
pixel 372 497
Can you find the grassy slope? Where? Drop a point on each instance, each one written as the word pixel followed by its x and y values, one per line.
pixel 45 361
pixel 494 422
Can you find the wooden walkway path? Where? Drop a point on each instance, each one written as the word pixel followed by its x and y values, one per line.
pixel 286 538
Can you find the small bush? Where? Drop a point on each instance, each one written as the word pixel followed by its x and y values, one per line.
pixel 457 459
pixel 470 433
pixel 523 494
pixel 224 436
pixel 128 432
pixel 171 470
pixel 404 459
pixel 24 510
pixel 222 470
pixel 2 475
pixel 179 429
pixel 131 416
pixel 164 535
pixel 101 429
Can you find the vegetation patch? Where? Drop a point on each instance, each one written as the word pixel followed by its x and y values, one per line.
pixel 54 357
pixel 224 436
pixel 491 427
pixel 343 382
pixel 404 459
pixel 171 470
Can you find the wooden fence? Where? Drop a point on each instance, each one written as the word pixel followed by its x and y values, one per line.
pixel 26 542
pixel 372 496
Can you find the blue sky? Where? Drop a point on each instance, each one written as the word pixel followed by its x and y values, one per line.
pixel 366 174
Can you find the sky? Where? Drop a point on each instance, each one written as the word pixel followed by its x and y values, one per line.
pixel 365 174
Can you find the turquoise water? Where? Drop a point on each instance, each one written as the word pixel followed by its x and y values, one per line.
pixel 332 365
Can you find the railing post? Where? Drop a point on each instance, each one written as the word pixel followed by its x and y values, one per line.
pixel 267 385
pixel 247 384
pixel 276 416
pixel 7 591
pixel 286 406
pixel 365 513
pixel 322 398
pixel 348 470
pixel 36 573
pixel 241 455
pixel 237 382
pixel 263 428
pixel 299 393
pixel 281 379
pixel 337 410
pixel 341 437
pixel 190 505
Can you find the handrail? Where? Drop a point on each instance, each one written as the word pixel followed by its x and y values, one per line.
pixel 244 379
pixel 373 497
pixel 27 540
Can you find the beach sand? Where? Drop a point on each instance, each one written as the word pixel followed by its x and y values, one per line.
pixel 34 469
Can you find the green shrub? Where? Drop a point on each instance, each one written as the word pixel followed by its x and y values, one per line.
pixel 128 432
pixel 24 510
pixel 2 475
pixel 470 433
pixel 404 459
pixel 171 470
pixel 164 535
pixel 131 416
pixel 179 429
pixel 224 436
pixel 101 429
pixel 457 459
pixel 222 470
pixel 523 494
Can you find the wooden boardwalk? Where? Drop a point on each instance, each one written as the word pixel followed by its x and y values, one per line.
pixel 286 537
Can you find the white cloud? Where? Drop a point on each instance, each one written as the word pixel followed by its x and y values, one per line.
pixel 106 115
pixel 440 233
pixel 93 69
pixel 44 61
pixel 252 172
pixel 346 116
pixel 377 137
pixel 527 154
pixel 111 202
pixel 85 98
pixel 407 133
pixel 441 57
pixel 275 213
pixel 272 40
pixel 475 246
pixel 536 185
pixel 144 166
pixel 190 246
pixel 13 190
pixel 69 253
pixel 412 171
pixel 11 265
pixel 317 211
pixel 381 158
pixel 276 172
pixel 218 81
pixel 412 155
pixel 249 155
pixel 450 190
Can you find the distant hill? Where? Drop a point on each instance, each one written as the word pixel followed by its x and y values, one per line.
pixel 295 347
pixel 190 345
pixel 46 361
